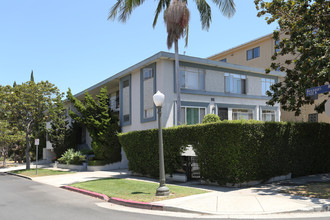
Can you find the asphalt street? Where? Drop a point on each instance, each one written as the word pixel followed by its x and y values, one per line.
pixel 29 200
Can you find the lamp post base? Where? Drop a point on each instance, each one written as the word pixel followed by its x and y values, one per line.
pixel 162 191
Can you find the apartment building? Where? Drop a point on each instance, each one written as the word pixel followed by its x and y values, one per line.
pixel 258 53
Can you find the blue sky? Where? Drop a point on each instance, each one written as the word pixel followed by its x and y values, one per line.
pixel 72 44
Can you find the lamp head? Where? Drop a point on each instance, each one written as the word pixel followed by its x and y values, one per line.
pixel 159 99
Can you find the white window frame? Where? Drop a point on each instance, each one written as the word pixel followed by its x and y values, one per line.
pixel 184 83
pixel 265 85
pixel 240 109
pixel 272 113
pixel 233 78
pixel 199 114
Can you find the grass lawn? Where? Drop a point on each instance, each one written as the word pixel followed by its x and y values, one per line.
pixel 316 190
pixel 41 172
pixel 135 190
pixel 9 163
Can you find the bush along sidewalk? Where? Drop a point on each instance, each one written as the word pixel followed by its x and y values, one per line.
pixel 234 151
pixel 72 157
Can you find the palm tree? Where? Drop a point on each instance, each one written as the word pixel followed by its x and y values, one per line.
pixel 176 16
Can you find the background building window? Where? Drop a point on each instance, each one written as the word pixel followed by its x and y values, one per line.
pixel 235 83
pixel 239 114
pixel 277 42
pixel 192 115
pixel 268 115
pixel 192 78
pixel 265 85
pixel 313 117
pixel 224 60
pixel 253 53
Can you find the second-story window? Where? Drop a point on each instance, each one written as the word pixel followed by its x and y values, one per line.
pixel 235 83
pixel 147 73
pixel 253 53
pixel 277 42
pixel 192 78
pixel 265 85
pixel 224 60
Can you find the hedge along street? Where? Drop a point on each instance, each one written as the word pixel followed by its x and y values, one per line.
pixel 235 151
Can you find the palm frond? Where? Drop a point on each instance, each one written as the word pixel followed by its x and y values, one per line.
pixel 124 8
pixel 227 7
pixel 205 13
pixel 186 34
pixel 162 4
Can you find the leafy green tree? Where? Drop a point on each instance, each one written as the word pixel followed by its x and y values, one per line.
pixel 305 25
pixel 27 105
pixel 9 135
pixel 103 126
pixel 61 134
pixel 176 17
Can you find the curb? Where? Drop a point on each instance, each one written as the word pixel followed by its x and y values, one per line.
pixel 118 201
pixel 135 204
pixel 18 175
pixel 86 192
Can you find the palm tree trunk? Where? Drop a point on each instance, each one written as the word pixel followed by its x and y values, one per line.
pixel 177 76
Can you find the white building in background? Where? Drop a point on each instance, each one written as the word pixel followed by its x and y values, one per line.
pixel 228 90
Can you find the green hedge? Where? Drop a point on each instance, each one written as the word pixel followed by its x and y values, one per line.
pixel 235 151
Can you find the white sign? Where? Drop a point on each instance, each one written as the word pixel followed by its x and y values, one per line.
pixel 327 107
pixel 36 141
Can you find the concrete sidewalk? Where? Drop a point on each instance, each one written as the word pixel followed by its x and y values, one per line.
pixel 264 199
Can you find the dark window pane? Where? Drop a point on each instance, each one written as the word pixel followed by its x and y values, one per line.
pixel 125 83
pixel 256 52
pixel 249 54
pixel 223 113
pixel 126 118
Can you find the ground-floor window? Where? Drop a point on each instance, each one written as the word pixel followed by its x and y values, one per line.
pixel 268 115
pixel 192 115
pixel 239 114
pixel 313 117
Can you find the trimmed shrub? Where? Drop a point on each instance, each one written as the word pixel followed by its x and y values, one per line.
pixel 72 157
pixel 234 151
pixel 211 118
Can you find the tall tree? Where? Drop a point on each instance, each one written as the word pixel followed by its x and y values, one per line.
pixel 26 105
pixel 124 9
pixel 59 129
pixel 102 124
pixel 176 17
pixel 32 77
pixel 305 25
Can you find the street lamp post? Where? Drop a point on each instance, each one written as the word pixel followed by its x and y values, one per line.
pixel 162 189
